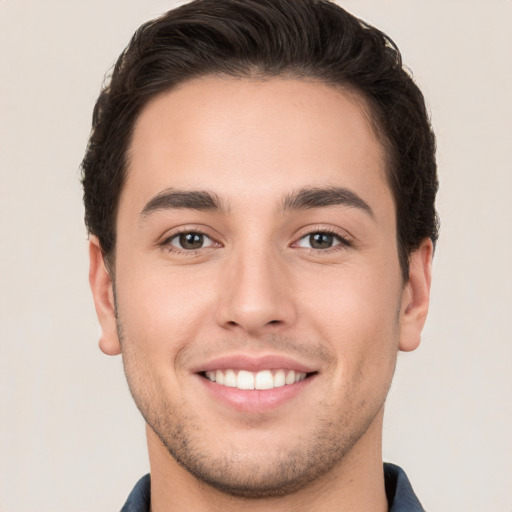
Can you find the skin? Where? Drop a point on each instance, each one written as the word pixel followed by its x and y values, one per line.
pixel 258 288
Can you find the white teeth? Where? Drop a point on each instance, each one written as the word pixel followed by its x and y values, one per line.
pixel 279 379
pixel 230 379
pixel 264 379
pixel 245 380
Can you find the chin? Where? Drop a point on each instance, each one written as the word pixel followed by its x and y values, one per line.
pixel 240 472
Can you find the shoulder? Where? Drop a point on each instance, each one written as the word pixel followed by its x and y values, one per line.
pixel 401 496
pixel 139 498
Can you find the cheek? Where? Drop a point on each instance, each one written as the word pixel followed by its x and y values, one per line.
pixel 356 312
pixel 160 315
pixel 161 310
pixel 352 299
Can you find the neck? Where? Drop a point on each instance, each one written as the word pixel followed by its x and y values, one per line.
pixel 355 483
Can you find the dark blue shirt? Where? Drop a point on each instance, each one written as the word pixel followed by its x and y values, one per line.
pixel 401 497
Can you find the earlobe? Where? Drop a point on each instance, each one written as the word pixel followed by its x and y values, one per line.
pixel 416 297
pixel 103 295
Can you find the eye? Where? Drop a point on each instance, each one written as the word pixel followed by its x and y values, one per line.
pixel 320 240
pixel 190 241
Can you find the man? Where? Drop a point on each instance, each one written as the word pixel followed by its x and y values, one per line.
pixel 259 192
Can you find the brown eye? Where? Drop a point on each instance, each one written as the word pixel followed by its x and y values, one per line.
pixel 320 240
pixel 190 241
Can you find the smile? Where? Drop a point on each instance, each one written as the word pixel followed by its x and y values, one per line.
pixel 264 379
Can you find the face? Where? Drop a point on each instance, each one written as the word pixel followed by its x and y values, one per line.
pixel 259 302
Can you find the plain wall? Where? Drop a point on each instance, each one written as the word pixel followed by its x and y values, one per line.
pixel 70 438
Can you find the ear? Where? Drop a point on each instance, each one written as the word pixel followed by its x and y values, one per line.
pixel 103 295
pixel 416 296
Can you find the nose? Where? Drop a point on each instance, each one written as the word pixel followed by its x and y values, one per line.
pixel 256 294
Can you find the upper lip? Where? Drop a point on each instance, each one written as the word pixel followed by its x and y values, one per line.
pixel 254 363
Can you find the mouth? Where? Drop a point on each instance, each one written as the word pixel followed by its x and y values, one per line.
pixel 259 380
pixel 255 384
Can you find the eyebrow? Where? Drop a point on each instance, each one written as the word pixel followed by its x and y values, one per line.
pixel 183 199
pixel 320 197
pixel 303 199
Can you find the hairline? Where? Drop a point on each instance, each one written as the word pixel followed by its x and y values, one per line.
pixel 254 74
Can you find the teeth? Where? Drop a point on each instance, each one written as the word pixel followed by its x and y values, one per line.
pixel 290 378
pixel 230 379
pixel 279 378
pixel 245 380
pixel 299 377
pixel 265 379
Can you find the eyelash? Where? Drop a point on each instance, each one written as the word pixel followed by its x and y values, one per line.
pixel 166 243
pixel 342 244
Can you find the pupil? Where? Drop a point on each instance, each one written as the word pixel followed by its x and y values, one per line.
pixel 321 240
pixel 191 240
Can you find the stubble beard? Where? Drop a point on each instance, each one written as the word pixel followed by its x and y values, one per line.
pixel 231 471
pixel 239 474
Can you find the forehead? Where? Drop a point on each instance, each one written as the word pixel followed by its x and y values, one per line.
pixel 254 139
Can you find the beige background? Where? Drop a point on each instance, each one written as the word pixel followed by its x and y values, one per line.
pixel 70 438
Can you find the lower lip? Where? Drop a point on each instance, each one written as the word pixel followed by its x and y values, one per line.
pixel 256 400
